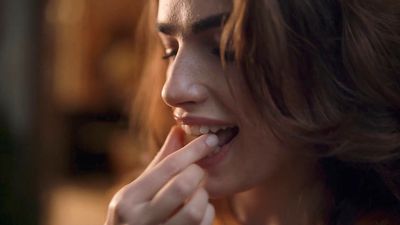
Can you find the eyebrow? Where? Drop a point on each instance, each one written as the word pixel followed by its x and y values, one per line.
pixel 197 27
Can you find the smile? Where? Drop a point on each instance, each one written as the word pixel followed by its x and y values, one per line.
pixel 225 133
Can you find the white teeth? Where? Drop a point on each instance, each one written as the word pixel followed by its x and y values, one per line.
pixel 214 129
pixel 204 129
pixel 199 130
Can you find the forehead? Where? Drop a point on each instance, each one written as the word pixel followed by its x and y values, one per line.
pixel 185 12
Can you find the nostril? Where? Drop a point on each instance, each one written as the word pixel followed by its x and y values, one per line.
pixel 178 95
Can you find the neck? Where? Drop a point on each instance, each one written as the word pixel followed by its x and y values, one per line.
pixel 292 197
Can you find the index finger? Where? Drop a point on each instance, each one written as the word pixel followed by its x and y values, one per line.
pixel 177 161
pixel 173 142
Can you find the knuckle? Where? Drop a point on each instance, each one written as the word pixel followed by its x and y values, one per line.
pixel 184 186
pixel 196 170
pixel 118 207
pixel 126 214
pixel 171 166
pixel 203 193
pixel 116 204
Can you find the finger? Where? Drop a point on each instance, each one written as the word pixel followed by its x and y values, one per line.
pixel 173 142
pixel 158 176
pixel 176 192
pixel 208 218
pixel 193 212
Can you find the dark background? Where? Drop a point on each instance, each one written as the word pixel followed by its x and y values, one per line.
pixel 66 82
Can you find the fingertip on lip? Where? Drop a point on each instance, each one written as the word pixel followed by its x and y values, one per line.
pixel 212 140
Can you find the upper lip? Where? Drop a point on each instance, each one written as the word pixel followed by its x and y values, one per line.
pixel 191 120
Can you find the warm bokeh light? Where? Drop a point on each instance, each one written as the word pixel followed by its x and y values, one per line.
pixel 68 78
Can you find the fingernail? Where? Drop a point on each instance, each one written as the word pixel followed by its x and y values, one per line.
pixel 212 140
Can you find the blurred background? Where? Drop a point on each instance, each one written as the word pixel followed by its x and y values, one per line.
pixel 66 82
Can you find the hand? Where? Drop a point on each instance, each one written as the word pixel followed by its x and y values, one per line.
pixel 170 190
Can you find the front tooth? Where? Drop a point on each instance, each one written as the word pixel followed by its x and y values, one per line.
pixel 195 130
pixel 214 129
pixel 204 129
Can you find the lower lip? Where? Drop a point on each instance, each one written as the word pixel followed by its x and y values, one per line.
pixel 209 162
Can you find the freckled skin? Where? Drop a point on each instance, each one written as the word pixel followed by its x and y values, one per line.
pixel 256 157
pixel 264 180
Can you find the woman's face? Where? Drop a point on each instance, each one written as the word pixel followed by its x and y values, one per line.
pixel 197 89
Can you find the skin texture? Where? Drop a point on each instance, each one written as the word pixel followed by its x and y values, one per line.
pixel 170 189
pixel 263 178
pixel 196 86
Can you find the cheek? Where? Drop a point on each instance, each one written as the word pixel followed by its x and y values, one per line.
pixel 246 109
pixel 261 158
pixel 259 144
pixel 260 152
pixel 256 160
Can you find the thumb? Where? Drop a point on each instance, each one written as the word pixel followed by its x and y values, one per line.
pixel 173 142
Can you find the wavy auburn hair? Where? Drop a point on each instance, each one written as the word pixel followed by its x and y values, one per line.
pixel 324 73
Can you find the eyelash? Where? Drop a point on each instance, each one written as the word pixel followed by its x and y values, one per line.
pixel 229 55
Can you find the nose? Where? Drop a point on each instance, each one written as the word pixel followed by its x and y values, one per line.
pixel 183 85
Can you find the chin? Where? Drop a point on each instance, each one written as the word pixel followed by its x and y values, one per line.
pixel 219 189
